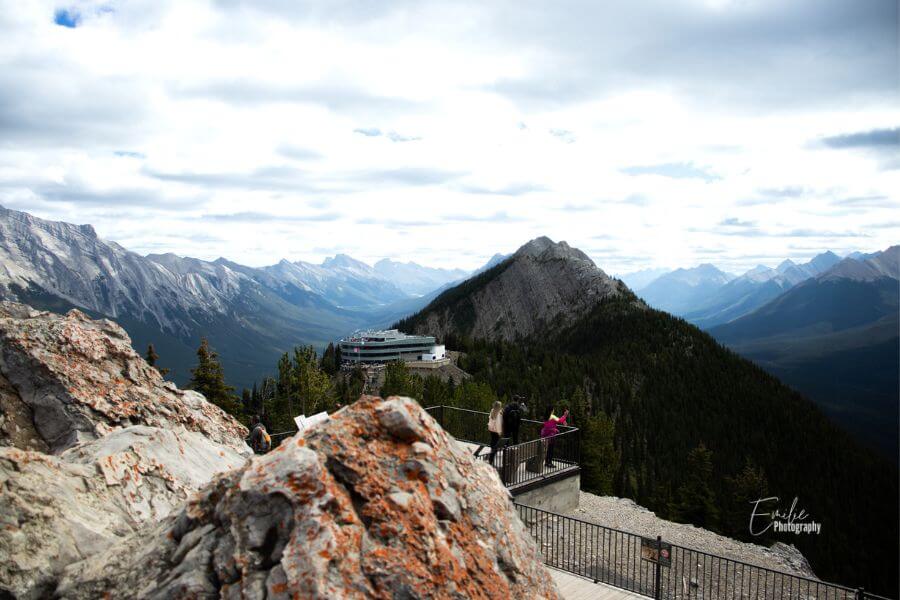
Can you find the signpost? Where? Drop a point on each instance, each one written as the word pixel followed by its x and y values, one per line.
pixel 659 553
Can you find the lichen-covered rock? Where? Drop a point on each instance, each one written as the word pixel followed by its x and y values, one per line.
pixel 52 513
pixel 376 502
pixel 129 448
pixel 81 379
pixel 17 421
pixel 55 510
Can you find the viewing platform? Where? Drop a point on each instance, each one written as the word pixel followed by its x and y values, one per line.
pixel 533 478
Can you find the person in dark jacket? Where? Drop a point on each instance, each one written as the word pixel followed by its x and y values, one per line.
pixel 260 441
pixel 512 417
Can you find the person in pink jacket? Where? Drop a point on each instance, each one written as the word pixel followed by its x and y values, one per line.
pixel 550 430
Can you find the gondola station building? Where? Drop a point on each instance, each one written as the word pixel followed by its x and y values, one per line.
pixel 374 347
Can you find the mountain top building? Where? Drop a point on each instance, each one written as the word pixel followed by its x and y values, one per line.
pixel 388 345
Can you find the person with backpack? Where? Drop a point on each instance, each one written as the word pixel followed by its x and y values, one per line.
pixel 260 441
pixel 512 417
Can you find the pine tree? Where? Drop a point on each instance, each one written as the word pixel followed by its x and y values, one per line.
pixel 329 360
pixel 599 458
pixel 311 384
pixel 697 501
pixel 151 356
pixel 151 359
pixel 749 486
pixel 208 379
pixel 396 379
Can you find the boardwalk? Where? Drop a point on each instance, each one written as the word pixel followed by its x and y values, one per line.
pixel 573 587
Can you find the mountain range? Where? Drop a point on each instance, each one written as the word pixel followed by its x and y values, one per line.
pixel 548 324
pixel 827 327
pixel 250 315
pixel 835 337
pixel 680 290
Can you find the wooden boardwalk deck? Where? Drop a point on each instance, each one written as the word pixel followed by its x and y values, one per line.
pixel 573 587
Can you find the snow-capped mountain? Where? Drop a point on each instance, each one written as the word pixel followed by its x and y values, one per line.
pixel 414 279
pixel 742 295
pixel 683 289
pixel 342 280
pixel 250 315
pixel 638 280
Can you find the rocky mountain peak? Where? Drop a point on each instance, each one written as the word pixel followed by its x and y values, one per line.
pixel 544 284
pixel 543 248
pixel 345 261
pixel 785 265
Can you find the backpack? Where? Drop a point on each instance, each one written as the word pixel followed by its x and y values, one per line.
pixel 264 441
pixel 511 417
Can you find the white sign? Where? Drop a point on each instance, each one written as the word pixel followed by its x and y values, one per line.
pixel 304 422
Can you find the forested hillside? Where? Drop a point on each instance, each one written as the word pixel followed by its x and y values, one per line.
pixel 698 431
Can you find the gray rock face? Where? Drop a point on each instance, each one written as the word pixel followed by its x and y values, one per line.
pixel 81 379
pixel 130 447
pixel 543 284
pixel 52 513
pixel 377 502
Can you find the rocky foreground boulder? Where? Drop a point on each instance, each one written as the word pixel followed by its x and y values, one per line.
pixel 116 484
pixel 376 502
pixel 79 379
pixel 94 444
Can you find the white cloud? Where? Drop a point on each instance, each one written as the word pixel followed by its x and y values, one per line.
pixel 445 132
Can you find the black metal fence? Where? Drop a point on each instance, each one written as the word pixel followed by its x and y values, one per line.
pixel 536 459
pixel 610 556
pixel 532 459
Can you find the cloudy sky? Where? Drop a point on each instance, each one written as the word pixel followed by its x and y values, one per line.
pixel 652 133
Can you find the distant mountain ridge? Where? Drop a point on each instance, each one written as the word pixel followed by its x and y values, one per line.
pixel 742 295
pixel 414 279
pixel 250 315
pixel 681 290
pixel 835 337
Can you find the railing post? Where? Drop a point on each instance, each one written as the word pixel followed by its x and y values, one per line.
pixel 441 415
pixel 860 594
pixel 656 590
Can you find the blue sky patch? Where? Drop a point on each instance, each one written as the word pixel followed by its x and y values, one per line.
pixel 67 18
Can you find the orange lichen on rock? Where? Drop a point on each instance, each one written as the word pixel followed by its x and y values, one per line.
pixel 82 377
pixel 377 502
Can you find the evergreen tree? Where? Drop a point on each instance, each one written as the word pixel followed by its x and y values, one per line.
pixel 151 359
pixel 397 381
pixel 697 501
pixel 283 406
pixel 329 360
pixel 747 487
pixel 599 458
pixel 311 384
pixel 434 392
pixel 151 356
pixel 247 402
pixel 208 379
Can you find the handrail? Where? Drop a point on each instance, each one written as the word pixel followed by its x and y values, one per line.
pixel 612 556
pixel 519 464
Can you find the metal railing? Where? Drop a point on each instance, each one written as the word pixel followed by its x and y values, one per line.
pixel 614 557
pixel 471 425
pixel 532 459
pixel 536 459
